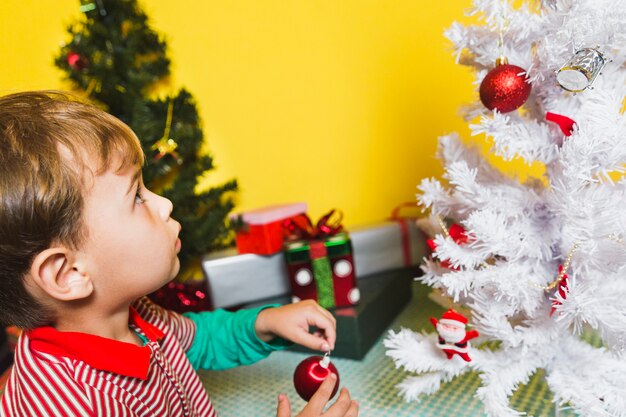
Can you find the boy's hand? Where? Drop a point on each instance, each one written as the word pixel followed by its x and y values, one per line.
pixel 292 322
pixel 343 407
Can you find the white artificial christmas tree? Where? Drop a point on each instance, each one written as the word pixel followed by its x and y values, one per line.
pixel 545 259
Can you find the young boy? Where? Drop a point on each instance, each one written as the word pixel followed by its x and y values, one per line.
pixel 82 241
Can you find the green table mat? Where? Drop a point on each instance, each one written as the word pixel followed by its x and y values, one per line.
pixel 252 390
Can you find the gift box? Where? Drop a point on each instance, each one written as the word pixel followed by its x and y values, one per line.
pixel 387 245
pixel 322 270
pixel 235 279
pixel 262 232
pixel 383 297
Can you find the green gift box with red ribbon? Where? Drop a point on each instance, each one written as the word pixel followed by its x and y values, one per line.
pixel 320 263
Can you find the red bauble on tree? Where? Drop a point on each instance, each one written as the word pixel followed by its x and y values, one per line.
pixel 76 61
pixel 310 374
pixel 505 88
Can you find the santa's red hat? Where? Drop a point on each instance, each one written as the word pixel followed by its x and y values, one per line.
pixel 453 318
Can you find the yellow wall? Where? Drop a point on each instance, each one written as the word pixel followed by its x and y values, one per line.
pixel 334 102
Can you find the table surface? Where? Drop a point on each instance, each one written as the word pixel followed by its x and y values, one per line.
pixel 252 390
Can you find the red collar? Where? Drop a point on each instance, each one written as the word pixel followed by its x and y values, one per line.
pixel 99 352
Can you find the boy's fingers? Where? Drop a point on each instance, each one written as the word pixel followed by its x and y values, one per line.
pixel 353 411
pixel 327 326
pixel 284 408
pixel 328 314
pixel 319 400
pixel 311 341
pixel 341 407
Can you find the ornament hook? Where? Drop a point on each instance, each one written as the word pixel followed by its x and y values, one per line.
pixel 325 360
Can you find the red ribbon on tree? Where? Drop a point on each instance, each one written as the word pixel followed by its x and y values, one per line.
pixel 458 235
pixel 565 123
pixel 562 290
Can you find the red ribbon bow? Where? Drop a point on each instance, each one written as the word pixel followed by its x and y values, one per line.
pixel 301 227
pixel 565 123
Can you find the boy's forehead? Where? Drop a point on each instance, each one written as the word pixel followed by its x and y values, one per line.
pixel 89 166
pixel 91 157
pixel 110 183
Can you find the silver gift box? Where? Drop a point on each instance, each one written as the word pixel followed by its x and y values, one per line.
pixel 236 279
pixel 378 247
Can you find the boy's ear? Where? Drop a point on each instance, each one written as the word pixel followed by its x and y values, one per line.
pixel 56 273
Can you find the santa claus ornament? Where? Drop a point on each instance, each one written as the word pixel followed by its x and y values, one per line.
pixel 310 374
pixel 453 337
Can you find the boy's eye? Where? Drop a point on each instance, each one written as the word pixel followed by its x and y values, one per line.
pixel 138 198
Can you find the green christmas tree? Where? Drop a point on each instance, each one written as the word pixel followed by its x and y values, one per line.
pixel 117 60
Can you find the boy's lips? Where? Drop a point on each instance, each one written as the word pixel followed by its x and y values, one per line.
pixel 178 243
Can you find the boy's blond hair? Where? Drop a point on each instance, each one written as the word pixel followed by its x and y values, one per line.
pixel 49 140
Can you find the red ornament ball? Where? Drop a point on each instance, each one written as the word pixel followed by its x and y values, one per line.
pixel 505 88
pixel 76 61
pixel 310 374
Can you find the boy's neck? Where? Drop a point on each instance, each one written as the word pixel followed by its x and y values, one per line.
pixel 109 325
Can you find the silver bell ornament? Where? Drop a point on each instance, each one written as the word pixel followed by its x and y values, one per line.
pixel 581 70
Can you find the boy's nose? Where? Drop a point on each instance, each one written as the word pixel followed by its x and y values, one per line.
pixel 166 208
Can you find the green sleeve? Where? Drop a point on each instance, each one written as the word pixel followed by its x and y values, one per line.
pixel 227 339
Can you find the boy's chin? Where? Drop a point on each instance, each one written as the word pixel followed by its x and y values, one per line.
pixel 175 270
pixel 171 278
pixel 167 280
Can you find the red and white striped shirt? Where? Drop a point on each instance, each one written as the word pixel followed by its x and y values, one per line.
pixel 69 374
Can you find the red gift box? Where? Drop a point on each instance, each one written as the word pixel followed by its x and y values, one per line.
pixel 323 270
pixel 263 231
